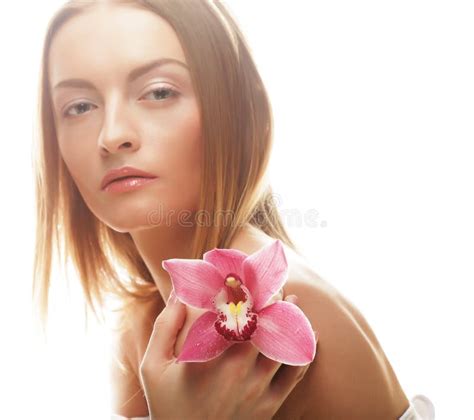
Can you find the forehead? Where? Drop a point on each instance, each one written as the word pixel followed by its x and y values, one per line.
pixel 110 40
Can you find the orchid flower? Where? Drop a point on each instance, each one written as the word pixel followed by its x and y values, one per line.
pixel 236 289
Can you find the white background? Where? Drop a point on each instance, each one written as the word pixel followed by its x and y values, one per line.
pixel 373 104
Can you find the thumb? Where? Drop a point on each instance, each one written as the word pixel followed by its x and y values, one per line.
pixel 165 331
pixel 292 298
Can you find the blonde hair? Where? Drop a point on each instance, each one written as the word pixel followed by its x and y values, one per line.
pixel 237 128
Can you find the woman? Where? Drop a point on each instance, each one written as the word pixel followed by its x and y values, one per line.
pixel 165 95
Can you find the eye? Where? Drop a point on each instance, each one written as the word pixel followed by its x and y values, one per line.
pixel 156 93
pixel 159 92
pixel 78 106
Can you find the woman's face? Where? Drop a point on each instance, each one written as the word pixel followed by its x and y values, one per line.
pixel 114 115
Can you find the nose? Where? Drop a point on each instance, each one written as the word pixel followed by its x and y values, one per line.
pixel 118 134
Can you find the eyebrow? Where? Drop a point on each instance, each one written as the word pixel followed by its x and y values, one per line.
pixel 134 74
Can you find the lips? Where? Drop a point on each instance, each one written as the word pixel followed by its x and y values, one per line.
pixel 124 172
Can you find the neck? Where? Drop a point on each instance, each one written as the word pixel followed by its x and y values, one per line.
pixel 164 242
pixel 161 243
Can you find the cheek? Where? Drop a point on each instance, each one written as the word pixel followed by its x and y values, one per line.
pixel 184 162
pixel 76 159
pixel 73 160
pixel 191 172
pixel 171 145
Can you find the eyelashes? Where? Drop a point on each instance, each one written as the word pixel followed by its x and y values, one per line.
pixel 75 106
pixel 170 93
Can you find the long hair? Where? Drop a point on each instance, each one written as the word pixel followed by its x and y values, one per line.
pixel 237 132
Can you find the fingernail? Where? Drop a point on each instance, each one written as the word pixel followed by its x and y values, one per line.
pixel 293 299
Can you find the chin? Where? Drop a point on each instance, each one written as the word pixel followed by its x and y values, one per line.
pixel 144 211
pixel 125 218
pixel 125 226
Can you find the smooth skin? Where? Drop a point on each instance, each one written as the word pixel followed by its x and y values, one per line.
pixel 236 385
pixel 152 122
pixel 350 378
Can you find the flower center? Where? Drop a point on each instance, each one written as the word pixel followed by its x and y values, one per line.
pixel 235 319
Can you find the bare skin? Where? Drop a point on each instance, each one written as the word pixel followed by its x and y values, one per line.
pixel 248 240
pixel 119 121
pixel 112 119
pixel 324 388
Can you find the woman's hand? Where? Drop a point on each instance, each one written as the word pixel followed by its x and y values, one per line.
pixel 240 383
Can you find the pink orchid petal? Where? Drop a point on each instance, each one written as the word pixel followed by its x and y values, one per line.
pixel 195 282
pixel 226 260
pixel 265 272
pixel 203 342
pixel 285 334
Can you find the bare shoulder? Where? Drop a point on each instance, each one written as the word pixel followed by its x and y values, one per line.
pixel 351 376
pixel 250 240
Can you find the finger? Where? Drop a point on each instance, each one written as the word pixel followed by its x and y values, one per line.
pixel 285 380
pixel 168 323
pixel 292 298
pixel 243 350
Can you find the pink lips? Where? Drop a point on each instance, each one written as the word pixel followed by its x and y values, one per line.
pixel 125 179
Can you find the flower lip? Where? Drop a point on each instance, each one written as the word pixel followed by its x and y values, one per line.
pixel 124 171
